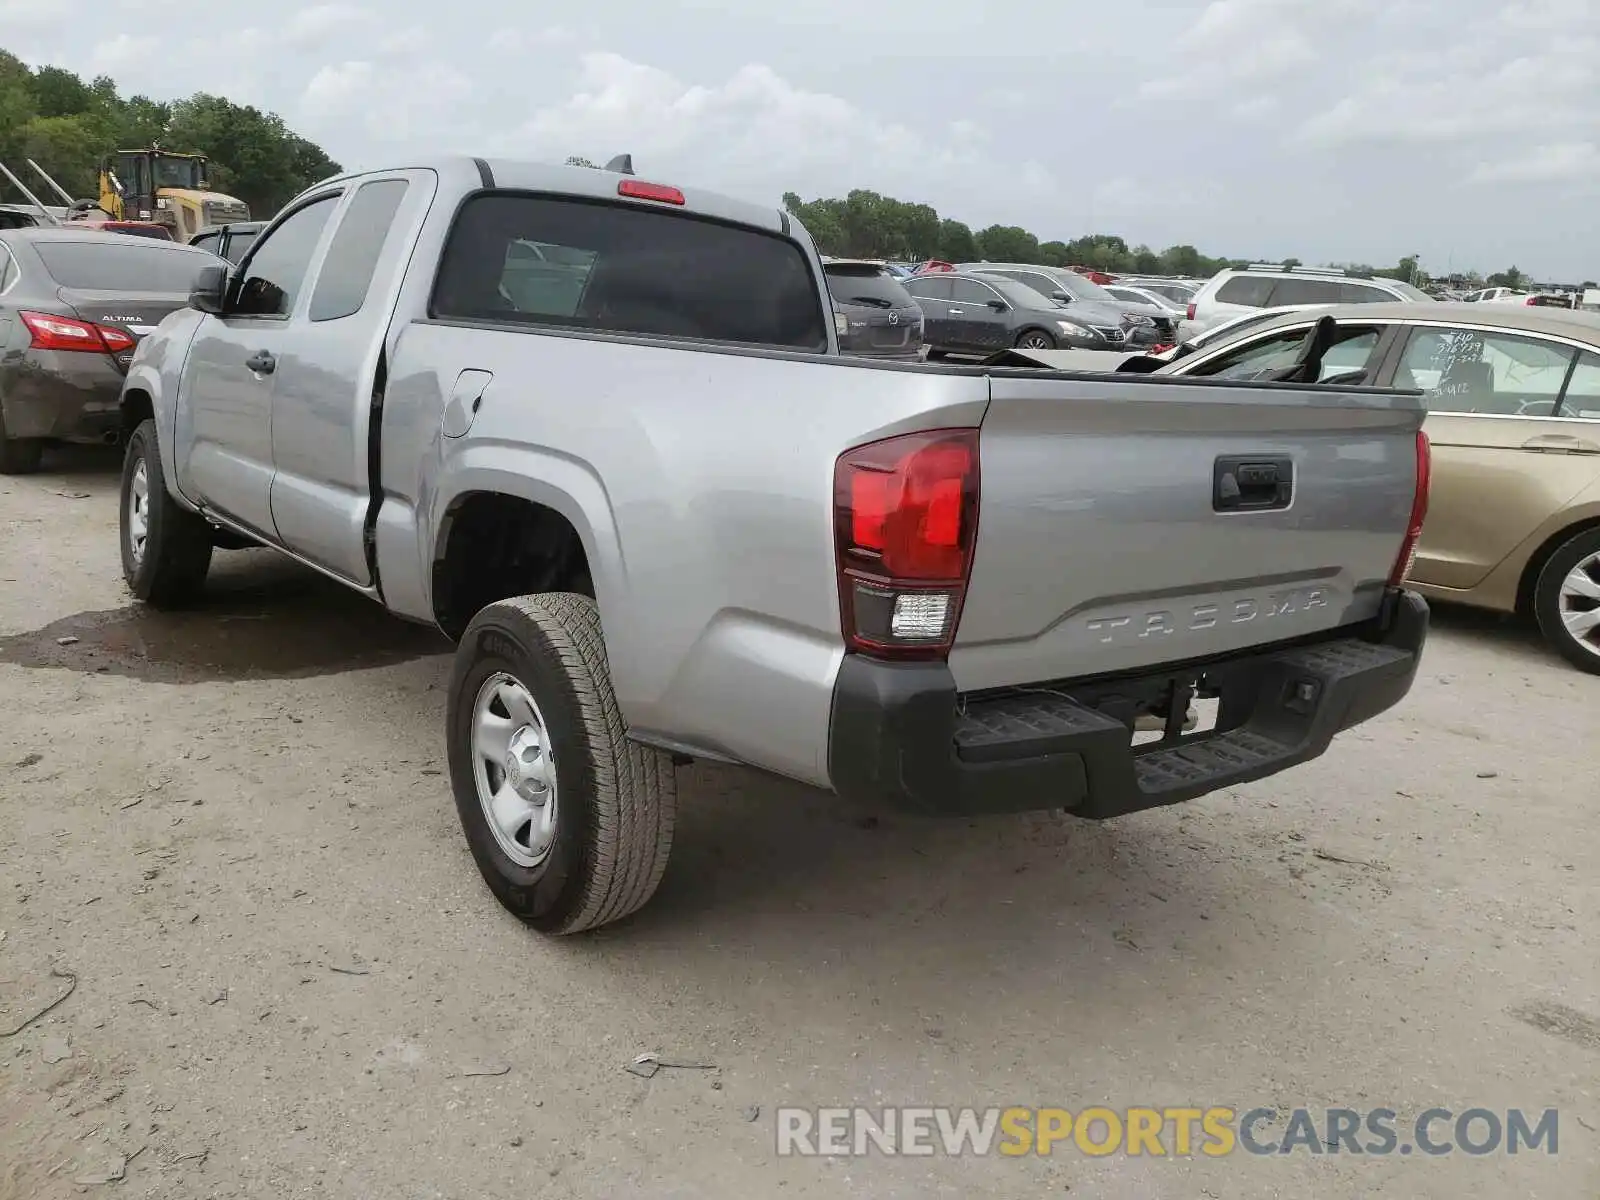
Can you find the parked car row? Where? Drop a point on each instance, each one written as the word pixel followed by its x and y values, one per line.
pixel 1513 399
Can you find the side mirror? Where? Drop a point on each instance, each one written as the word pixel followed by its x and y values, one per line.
pixel 999 305
pixel 1061 297
pixel 210 290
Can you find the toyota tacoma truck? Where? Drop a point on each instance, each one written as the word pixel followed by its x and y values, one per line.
pixel 597 430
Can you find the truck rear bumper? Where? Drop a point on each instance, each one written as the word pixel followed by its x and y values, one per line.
pixel 900 734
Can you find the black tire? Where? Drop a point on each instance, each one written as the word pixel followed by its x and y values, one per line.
pixel 617 801
pixel 171 572
pixel 18 456
pixel 1035 339
pixel 1549 605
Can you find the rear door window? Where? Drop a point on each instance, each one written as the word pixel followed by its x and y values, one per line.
pixel 970 291
pixel 352 257
pixel 1476 371
pixel 122 265
pixel 927 287
pixel 1249 290
pixel 622 268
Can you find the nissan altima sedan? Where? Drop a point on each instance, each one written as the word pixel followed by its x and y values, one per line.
pixel 1513 395
pixel 74 303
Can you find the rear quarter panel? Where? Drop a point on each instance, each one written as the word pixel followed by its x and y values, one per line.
pixel 701 483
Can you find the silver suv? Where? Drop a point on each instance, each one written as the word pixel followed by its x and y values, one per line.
pixel 1268 285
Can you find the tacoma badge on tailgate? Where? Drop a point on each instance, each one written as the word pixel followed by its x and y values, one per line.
pixel 1196 617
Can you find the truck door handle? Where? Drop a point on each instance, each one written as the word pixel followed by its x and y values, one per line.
pixel 262 363
pixel 1561 443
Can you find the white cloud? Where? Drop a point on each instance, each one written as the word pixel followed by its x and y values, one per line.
pixel 757 134
pixel 1557 162
pixel 124 50
pixel 339 86
pixel 409 41
pixel 515 41
pixel 318 22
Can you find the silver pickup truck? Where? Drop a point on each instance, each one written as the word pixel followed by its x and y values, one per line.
pixel 596 429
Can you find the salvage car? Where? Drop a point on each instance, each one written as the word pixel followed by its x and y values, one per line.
pixel 874 316
pixel 664 518
pixel 74 302
pixel 1513 395
pixel 970 312
pixel 1143 324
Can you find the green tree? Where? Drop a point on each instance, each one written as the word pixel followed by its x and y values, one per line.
pixel 59 93
pixel 68 126
pixel 1511 277
pixel 1008 243
pixel 956 243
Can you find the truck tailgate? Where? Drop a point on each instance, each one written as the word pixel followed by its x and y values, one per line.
pixel 1106 541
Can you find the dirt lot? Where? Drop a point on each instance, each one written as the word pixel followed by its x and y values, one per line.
pixel 231 829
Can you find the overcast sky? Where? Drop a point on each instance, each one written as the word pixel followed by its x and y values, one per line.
pixel 1332 130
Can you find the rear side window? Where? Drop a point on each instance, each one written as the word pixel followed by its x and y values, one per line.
pixel 7 268
pixel 1249 290
pixel 1363 293
pixel 970 291
pixel 352 257
pixel 1310 291
pixel 869 286
pixel 206 241
pixel 624 269
pixel 123 265
pixel 929 288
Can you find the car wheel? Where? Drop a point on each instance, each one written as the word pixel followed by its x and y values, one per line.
pixel 166 549
pixel 1035 339
pixel 569 821
pixel 18 456
pixel 1566 601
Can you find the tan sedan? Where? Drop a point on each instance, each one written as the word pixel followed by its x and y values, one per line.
pixel 1513 394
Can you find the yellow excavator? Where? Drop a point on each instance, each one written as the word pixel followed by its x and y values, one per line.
pixel 171 189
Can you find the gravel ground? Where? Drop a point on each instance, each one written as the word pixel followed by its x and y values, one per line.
pixel 232 831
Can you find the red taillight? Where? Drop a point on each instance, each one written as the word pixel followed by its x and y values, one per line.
pixel 1419 513
pixel 905 525
pixel 640 190
pixel 50 332
pixel 1189 316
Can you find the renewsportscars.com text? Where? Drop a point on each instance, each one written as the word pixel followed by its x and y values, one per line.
pixel 1213 1132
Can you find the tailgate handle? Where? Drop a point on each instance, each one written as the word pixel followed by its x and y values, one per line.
pixel 1251 483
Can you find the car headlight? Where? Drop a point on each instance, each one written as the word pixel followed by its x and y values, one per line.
pixel 841 323
pixel 1139 319
pixel 1073 329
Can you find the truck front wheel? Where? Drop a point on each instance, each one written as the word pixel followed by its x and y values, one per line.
pixel 166 549
pixel 570 823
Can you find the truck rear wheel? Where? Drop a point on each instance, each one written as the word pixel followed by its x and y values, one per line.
pixel 570 823
pixel 166 549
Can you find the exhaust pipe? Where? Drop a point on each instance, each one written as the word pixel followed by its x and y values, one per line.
pixel 110 437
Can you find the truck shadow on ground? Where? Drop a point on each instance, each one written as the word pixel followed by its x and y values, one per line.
pixel 262 617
